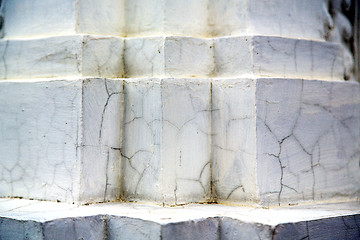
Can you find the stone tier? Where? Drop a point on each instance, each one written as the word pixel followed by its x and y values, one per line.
pixel 285 141
pixel 24 219
pixel 60 139
pixel 255 141
pixel 174 57
pixel 202 18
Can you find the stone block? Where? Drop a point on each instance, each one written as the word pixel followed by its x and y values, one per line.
pixel 62 56
pixel 164 17
pixel 168 57
pixel 20 229
pixel 125 228
pixel 30 219
pixel 193 229
pixel 224 57
pixel 34 18
pixel 166 141
pixel 342 227
pixel 285 141
pixel 175 56
pixel 306 19
pixel 60 140
pixel 268 56
pixel 234 229
pixel 92 228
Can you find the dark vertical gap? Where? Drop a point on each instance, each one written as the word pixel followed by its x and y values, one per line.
pixel 356 44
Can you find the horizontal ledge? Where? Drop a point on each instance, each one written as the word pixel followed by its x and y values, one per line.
pixel 43 211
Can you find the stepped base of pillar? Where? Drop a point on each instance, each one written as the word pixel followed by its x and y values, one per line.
pixel 30 219
pixel 177 141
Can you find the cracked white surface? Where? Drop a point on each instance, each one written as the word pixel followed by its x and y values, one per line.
pixel 307 141
pixel 234 140
pixel 277 57
pixel 166 141
pixel 245 56
pixel 233 57
pixel 34 18
pixel 63 56
pixel 51 141
pixel 305 19
pixel 47 220
pixel 159 17
pixel 314 131
pixel 168 56
pixel 202 18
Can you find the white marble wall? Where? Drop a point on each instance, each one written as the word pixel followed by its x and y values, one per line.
pixel 64 56
pixel 307 141
pixel 168 57
pixel 307 19
pixel 60 139
pixel 37 18
pixel 312 137
pixel 166 141
pixel 265 56
pixel 175 56
pixel 234 140
pixel 197 119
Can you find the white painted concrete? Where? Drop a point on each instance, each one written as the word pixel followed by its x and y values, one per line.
pixel 21 218
pixel 63 56
pixel 37 18
pixel 306 19
pixel 180 57
pixel 166 141
pixel 285 141
pixel 60 139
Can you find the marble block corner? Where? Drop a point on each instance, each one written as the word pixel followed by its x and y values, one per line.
pixel 62 56
pixel 172 56
pixel 60 140
pixel 269 56
pixel 166 141
pixel 291 141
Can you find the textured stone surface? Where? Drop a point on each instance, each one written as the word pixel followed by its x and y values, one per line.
pixel 62 56
pixel 168 56
pixel 60 139
pixel 33 18
pixel 180 140
pixel 21 219
pixel 305 132
pixel 166 141
pixel 203 18
pixel 192 229
pixel 92 227
pixel 294 19
pixel 175 56
pixel 132 228
pixel 267 56
pixel 160 17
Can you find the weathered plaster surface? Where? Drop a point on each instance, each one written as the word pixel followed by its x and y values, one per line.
pixel 305 19
pixel 234 140
pixel 45 220
pixel 175 56
pixel 36 18
pixel 311 133
pixel 62 56
pixel 57 135
pixel 307 141
pixel 166 141
pixel 168 57
pixel 277 57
